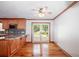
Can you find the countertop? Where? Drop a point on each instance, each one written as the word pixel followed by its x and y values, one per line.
pixel 11 37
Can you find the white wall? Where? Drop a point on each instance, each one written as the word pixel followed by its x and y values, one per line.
pixel 66 30
pixel 28 28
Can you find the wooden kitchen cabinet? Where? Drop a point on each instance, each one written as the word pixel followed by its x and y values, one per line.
pixel 21 24
pixel 12 21
pixel 9 47
pixel 1 20
pixel 18 43
pixel 3 48
pixel 23 40
pixel 13 46
pixel 5 24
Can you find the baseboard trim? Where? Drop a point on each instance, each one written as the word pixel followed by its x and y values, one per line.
pixel 67 54
pixel 51 42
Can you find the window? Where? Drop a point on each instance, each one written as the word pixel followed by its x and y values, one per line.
pixel 1 26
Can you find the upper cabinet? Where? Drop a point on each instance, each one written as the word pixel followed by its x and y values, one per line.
pixel 13 21
pixel 5 24
pixel 21 22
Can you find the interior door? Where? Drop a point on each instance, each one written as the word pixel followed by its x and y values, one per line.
pixel 40 32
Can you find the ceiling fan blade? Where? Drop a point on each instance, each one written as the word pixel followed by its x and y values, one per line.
pixel 49 12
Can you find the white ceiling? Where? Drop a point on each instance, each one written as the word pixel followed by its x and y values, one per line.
pixel 24 9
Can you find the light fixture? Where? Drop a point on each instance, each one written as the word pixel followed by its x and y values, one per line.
pixel 43 11
pixel 41 15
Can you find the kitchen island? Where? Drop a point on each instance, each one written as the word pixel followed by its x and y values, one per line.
pixel 11 44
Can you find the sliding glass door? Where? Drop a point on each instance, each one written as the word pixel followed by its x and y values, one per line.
pixel 40 32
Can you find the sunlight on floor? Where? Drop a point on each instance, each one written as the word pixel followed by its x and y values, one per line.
pixel 40 50
pixel 44 49
pixel 36 49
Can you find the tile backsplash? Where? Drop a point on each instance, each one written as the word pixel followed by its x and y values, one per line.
pixel 15 31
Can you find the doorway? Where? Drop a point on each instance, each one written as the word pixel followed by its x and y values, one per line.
pixel 40 32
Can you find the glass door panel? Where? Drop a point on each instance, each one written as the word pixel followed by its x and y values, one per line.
pixel 36 32
pixel 44 32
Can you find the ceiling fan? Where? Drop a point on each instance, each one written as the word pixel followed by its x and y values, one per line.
pixel 42 11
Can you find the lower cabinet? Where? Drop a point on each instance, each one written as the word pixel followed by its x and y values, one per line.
pixel 14 46
pixel 10 46
pixel 3 48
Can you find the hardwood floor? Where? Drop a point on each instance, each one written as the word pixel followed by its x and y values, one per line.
pixel 27 51
pixel 55 51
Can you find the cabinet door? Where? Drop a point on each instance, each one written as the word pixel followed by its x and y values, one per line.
pixel 3 48
pixel 5 24
pixel 12 21
pixel 13 46
pixel 21 24
pixel 18 43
